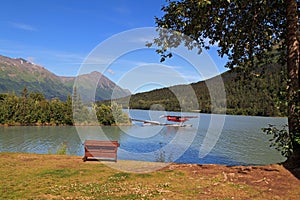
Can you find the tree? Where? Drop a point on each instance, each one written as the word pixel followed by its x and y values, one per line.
pixel 68 111
pixel 57 115
pixel 119 116
pixel 80 112
pixel 248 32
pixel 104 114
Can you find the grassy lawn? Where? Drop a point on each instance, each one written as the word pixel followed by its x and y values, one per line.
pixel 31 176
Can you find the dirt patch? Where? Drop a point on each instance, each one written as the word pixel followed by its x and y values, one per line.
pixel 272 181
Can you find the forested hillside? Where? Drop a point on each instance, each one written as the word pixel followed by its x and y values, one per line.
pixel 255 92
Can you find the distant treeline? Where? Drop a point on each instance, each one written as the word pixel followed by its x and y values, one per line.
pixel 257 92
pixel 34 109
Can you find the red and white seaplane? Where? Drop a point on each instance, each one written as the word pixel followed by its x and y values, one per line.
pixel 172 118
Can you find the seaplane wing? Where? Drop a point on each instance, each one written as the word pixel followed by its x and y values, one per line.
pixel 147 121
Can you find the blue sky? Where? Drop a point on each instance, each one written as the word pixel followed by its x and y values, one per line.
pixel 61 34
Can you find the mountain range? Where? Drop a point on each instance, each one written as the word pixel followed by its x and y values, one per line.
pixel 258 91
pixel 18 73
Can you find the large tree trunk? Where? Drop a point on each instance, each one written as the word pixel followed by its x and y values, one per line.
pixel 293 61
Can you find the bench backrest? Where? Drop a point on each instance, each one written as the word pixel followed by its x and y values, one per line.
pixel 101 143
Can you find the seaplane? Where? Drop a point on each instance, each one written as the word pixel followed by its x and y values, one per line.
pixel 172 118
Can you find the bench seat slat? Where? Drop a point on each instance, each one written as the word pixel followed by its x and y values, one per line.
pixel 101 148
pixel 101 142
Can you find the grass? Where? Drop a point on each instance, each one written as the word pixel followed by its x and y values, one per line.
pixel 31 176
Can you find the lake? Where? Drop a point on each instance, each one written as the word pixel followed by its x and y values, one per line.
pixel 212 139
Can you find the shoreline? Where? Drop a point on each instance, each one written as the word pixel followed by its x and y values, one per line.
pixel 76 157
pixel 125 124
pixel 59 125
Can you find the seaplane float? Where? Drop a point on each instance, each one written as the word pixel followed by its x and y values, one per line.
pixel 172 118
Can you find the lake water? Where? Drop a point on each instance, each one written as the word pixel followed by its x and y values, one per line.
pixel 214 139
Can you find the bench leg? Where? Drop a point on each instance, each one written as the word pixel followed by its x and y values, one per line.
pixel 84 158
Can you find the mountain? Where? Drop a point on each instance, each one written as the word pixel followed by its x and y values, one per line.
pixel 255 92
pixel 105 88
pixel 15 74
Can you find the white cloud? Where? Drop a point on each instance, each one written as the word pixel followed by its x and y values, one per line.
pixel 123 10
pixel 144 39
pixel 111 71
pixel 31 59
pixel 22 26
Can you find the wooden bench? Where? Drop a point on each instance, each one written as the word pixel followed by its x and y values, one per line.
pixel 101 150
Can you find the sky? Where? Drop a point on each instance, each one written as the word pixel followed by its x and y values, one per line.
pixel 70 37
